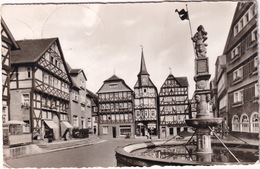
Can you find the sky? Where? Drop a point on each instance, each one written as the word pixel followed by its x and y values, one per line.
pixel 106 39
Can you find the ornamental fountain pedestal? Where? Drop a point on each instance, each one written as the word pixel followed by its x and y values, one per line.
pixel 204 120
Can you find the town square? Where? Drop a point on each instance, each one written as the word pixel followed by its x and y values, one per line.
pixel 115 84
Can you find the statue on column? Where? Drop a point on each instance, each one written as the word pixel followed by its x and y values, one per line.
pixel 199 38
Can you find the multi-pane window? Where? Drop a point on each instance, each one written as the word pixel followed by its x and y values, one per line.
pixel 238 96
pixel 255 123
pixel 238 73
pixel 25 99
pixel 244 123
pixel 235 52
pixel 235 123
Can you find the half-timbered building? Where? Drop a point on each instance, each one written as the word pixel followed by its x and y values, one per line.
pixel 39 87
pixel 241 52
pixel 174 106
pixel 8 44
pixel 115 109
pixel 145 102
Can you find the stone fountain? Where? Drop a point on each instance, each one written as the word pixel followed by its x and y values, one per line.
pixel 204 119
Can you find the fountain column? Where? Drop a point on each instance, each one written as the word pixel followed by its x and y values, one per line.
pixel 204 117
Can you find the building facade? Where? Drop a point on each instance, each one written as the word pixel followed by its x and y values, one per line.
pixel 174 106
pixel 115 109
pixel 80 103
pixel 39 88
pixel 242 72
pixel 145 103
pixel 220 104
pixel 8 44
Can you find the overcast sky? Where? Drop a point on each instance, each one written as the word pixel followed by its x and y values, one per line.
pixel 103 38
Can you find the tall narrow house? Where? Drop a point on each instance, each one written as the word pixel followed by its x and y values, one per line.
pixel 146 109
pixel 39 88
pixel 115 109
pixel 174 106
pixel 8 44
pixel 241 51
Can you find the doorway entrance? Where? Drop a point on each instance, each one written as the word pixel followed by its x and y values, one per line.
pixel 114 132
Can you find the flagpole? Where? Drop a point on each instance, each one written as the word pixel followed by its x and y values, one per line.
pixel 191 30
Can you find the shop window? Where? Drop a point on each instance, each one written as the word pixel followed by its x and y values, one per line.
pixel 105 129
pixel 235 123
pixel 125 130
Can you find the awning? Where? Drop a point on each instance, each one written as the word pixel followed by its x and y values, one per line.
pixel 51 124
pixel 64 126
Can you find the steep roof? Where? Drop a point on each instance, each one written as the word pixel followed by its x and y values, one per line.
pixel 183 81
pixel 31 50
pixel 77 71
pixel 113 78
pixel 143 70
pixel 150 84
pixel 9 34
pixel 114 84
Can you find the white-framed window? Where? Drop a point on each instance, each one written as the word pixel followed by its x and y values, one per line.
pixel 236 30
pixel 28 72
pixel 238 73
pixel 256 62
pixel 241 24
pixel 25 99
pixel 253 10
pixel 246 18
pixel 238 96
pixel 244 122
pixel 105 130
pixel 235 123
pixel 75 121
pixel 254 35
pixel 256 90
pixel 254 120
pixel 235 52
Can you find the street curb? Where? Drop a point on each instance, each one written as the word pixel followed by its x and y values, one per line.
pixel 61 149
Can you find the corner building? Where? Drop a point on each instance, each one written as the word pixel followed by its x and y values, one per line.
pixel 115 109
pixel 241 52
pixel 146 107
pixel 174 106
pixel 39 88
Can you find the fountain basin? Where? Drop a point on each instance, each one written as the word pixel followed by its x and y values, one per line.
pixel 126 157
pixel 203 122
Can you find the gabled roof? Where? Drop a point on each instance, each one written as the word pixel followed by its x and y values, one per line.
pixel 76 72
pixel 119 85
pixel 9 34
pixel 143 70
pixel 113 78
pixel 31 50
pixel 182 81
